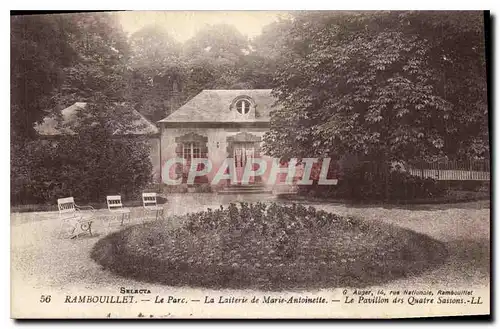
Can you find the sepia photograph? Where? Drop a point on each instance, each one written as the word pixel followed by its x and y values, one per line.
pixel 250 164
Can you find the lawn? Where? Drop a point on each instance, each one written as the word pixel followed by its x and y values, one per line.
pixel 40 260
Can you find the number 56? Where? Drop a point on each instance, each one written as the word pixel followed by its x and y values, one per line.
pixel 45 299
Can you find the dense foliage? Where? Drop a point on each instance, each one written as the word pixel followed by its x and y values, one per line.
pixel 40 51
pixel 384 85
pixel 70 167
pixel 89 65
pixel 369 182
pixel 57 60
pixel 267 246
pixel 167 73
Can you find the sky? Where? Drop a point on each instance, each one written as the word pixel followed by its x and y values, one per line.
pixel 182 25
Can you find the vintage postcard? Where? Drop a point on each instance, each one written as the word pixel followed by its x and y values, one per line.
pixel 250 164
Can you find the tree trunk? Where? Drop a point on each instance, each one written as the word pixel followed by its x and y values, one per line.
pixel 386 180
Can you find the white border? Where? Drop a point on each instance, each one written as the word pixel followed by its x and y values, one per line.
pixel 197 5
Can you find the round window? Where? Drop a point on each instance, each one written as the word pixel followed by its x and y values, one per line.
pixel 243 106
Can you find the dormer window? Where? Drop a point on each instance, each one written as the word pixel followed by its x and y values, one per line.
pixel 243 106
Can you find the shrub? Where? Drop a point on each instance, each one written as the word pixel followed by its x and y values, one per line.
pixel 89 167
pixel 266 246
pixel 365 183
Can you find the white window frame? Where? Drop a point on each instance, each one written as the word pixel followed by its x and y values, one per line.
pixel 244 103
pixel 191 148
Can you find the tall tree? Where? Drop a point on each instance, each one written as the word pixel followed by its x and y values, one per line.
pixel 97 74
pixel 255 70
pixel 457 52
pixel 158 72
pixel 100 70
pixel 213 55
pixel 154 51
pixel 40 50
pixel 372 83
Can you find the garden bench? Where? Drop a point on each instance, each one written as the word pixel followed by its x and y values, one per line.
pixel 115 207
pixel 150 205
pixel 74 217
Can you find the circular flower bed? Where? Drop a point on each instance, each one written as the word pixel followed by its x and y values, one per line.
pixel 267 246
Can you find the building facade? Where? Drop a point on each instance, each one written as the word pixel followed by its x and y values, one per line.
pixel 217 125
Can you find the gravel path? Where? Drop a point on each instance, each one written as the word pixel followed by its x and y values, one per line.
pixel 41 260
